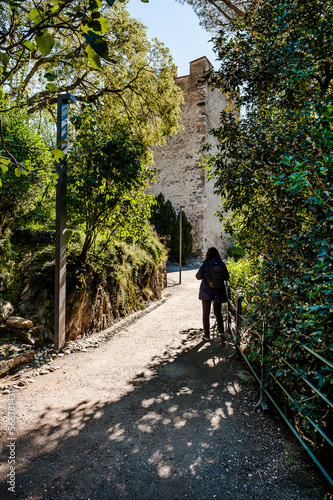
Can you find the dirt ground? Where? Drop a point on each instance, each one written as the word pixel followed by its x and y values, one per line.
pixel 153 413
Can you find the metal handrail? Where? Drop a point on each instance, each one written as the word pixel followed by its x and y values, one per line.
pixel 235 310
pixel 314 353
pixel 305 416
pixel 314 388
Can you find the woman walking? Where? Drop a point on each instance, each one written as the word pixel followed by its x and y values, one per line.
pixel 212 273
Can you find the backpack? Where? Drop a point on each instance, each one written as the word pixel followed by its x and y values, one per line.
pixel 216 274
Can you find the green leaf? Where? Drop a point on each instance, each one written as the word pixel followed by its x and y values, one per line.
pixel 52 87
pixel 17 172
pixel 93 58
pixel 315 308
pixel 30 46
pixel 58 155
pixel 50 76
pixel 4 59
pixel 105 27
pixel 94 4
pixel 45 42
pixel 35 15
pixel 5 161
pixel 98 44
pixel 57 4
pixel 4 168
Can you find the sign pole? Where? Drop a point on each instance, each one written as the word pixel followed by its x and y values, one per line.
pixel 60 258
pixel 180 242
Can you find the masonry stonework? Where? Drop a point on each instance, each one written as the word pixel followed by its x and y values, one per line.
pixel 181 179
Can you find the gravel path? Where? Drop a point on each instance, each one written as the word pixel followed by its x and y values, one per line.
pixel 153 413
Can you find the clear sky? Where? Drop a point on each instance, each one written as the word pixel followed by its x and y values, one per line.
pixel 177 27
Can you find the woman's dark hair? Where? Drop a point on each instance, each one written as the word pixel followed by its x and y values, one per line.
pixel 212 253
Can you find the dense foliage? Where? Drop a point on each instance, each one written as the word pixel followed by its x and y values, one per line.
pixel 243 275
pixel 134 95
pixel 35 33
pixel 216 14
pixel 98 53
pixel 274 170
pixel 166 222
pixel 20 191
pixel 106 182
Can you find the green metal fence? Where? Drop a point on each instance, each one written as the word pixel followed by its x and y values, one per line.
pixel 247 326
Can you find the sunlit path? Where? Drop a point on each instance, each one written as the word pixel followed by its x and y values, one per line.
pixel 154 414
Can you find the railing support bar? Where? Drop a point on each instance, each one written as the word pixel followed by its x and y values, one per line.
pixel 263 382
pixel 238 326
pixel 228 307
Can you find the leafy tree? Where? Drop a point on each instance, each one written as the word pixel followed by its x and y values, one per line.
pixel 92 51
pixel 274 170
pixel 167 223
pixel 30 30
pixel 21 188
pixel 214 14
pixel 106 180
pixel 136 81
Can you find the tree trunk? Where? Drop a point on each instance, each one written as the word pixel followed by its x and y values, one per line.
pixel 86 246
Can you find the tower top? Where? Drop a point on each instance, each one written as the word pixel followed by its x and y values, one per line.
pixel 198 66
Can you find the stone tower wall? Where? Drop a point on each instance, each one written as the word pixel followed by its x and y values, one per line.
pixel 181 179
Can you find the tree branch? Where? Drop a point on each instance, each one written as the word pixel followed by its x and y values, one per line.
pixel 13 159
pixel 230 5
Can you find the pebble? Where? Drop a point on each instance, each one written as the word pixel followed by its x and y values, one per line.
pixel 47 355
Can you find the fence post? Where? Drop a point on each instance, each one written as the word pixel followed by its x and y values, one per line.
pixel 238 326
pixel 263 396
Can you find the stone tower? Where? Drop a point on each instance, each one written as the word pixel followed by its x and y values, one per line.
pixel 181 179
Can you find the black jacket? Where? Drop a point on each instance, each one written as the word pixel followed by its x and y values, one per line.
pixel 219 295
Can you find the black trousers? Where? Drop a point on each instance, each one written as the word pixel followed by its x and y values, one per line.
pixel 206 306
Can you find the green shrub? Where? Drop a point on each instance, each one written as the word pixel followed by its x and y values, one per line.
pixel 243 275
pixel 166 222
pixel 235 252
